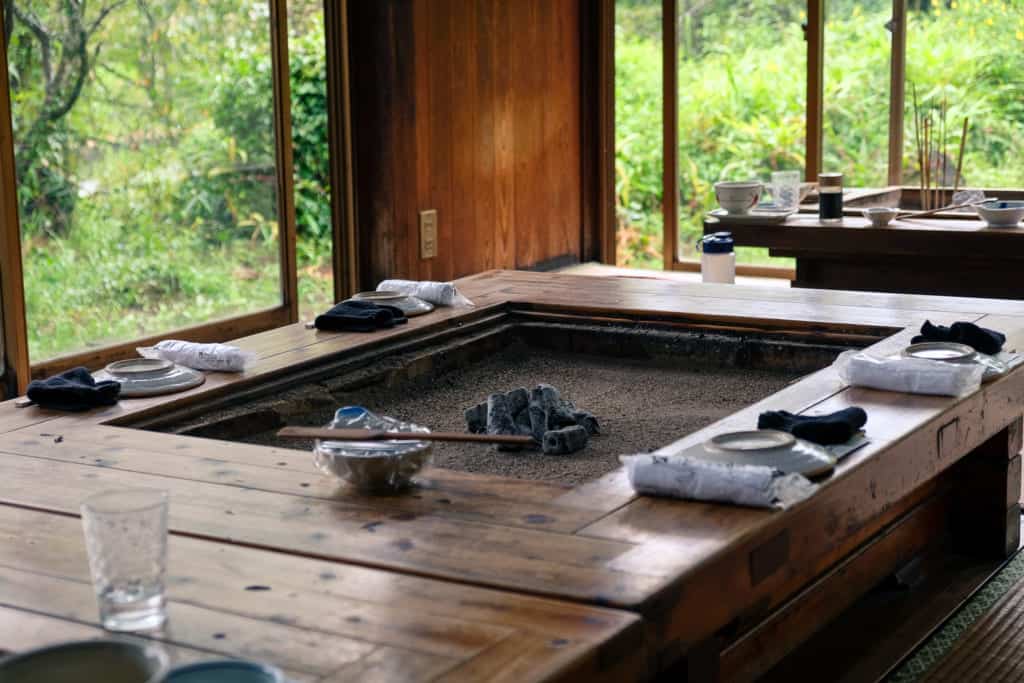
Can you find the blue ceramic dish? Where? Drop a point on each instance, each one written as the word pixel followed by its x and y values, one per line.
pixel 110 661
pixel 225 671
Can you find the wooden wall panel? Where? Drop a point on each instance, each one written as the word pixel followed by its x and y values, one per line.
pixel 471 108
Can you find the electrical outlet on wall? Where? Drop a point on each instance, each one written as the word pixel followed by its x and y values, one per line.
pixel 428 234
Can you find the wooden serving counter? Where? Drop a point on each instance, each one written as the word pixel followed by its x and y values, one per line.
pixel 475 577
pixel 949 256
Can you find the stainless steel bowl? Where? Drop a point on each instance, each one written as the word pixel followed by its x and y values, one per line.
pixel 372 466
pixel 374 473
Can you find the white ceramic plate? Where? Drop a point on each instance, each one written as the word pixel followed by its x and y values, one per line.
pixel 756 215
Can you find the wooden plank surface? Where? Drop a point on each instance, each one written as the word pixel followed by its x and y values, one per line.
pixel 594 544
pixel 321 619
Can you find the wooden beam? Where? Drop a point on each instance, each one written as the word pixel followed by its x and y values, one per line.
pixel 897 91
pixel 15 333
pixel 670 132
pixel 283 149
pixel 345 253
pixel 597 100
pixel 814 33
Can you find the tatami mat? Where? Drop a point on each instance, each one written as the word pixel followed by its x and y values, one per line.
pixel 982 641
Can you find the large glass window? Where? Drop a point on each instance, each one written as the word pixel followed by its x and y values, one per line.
pixel 144 145
pixel 308 67
pixel 638 138
pixel 742 102
pixel 855 124
pixel 967 56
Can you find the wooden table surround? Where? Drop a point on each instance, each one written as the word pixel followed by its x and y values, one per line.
pixel 474 577
pixel 949 256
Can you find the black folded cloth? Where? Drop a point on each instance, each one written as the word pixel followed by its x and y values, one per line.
pixel 838 427
pixel 360 316
pixel 74 390
pixel 979 338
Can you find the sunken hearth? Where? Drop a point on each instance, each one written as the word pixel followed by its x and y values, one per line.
pixel 647 384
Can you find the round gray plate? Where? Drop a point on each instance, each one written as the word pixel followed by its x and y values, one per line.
pixel 791 455
pixel 410 305
pixel 944 351
pixel 142 377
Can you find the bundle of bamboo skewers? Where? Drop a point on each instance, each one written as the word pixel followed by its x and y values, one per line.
pixel 932 139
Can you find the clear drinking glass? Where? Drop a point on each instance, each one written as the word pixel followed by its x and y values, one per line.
pixel 126 537
pixel 785 189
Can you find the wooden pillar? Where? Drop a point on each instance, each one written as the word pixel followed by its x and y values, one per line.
pixel 670 132
pixel 814 32
pixel 345 249
pixel 897 89
pixel 283 154
pixel 986 514
pixel 12 293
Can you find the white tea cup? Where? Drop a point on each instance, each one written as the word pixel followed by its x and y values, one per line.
pixel 738 197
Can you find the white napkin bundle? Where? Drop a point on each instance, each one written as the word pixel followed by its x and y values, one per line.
pixel 439 293
pixel 219 357
pixel 680 476
pixel 909 375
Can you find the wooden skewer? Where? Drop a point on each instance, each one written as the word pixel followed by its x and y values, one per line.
pixel 917 141
pixel 942 178
pixel 931 212
pixel 960 157
pixel 378 435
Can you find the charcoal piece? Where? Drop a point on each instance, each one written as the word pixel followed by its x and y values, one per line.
pixel 499 419
pixel 538 411
pixel 523 425
pixel 564 441
pixel 587 421
pixel 561 415
pixel 476 418
pixel 518 401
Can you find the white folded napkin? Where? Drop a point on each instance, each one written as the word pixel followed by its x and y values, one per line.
pixel 680 476
pixel 440 293
pixel 219 357
pixel 909 375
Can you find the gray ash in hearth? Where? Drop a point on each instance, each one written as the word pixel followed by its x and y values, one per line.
pixel 555 423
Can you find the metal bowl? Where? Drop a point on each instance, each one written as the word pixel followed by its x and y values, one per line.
pixel 372 466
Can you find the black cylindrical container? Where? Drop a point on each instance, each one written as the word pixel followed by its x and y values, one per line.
pixel 830 197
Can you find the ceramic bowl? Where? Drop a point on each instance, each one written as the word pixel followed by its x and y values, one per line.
pixel 1001 214
pixel 111 661
pixel 738 197
pixel 225 671
pixel 880 216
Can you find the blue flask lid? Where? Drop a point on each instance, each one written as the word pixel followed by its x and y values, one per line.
pixel 717 243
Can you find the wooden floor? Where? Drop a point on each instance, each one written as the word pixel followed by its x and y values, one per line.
pixel 483 578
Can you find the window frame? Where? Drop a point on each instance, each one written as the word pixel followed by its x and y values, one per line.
pixel 17 364
pixel 814 35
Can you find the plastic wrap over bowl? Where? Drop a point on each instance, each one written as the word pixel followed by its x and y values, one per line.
pixel 372 466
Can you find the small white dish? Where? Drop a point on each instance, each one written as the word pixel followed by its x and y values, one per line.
pixel 880 216
pixel 1000 214
pixel 761 216
pixel 150 377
